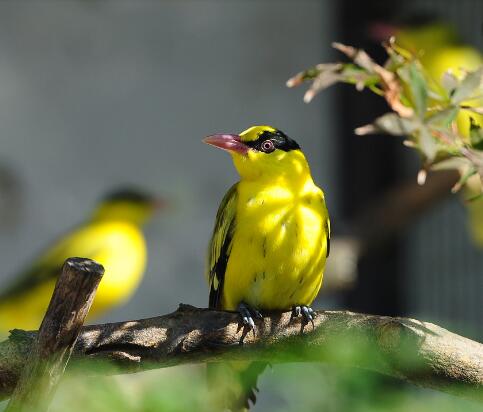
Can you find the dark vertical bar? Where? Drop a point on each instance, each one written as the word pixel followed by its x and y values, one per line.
pixel 368 165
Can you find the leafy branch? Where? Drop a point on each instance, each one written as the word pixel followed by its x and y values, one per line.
pixel 423 110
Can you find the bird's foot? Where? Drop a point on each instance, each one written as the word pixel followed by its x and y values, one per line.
pixel 247 314
pixel 307 313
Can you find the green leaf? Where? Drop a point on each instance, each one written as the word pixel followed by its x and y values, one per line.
pixel 474 198
pixel 435 95
pixel 392 124
pixel 449 81
pixel 427 143
pixel 463 179
pixel 419 89
pixel 468 86
pixel 476 135
pixel 359 56
pixel 476 110
pixel 451 163
pixel 443 117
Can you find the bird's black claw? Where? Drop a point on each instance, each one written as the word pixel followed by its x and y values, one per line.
pixel 247 314
pixel 307 313
pixel 257 314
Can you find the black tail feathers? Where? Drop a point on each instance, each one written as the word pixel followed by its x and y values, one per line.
pixel 234 384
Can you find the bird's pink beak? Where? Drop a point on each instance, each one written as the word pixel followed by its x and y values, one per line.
pixel 159 203
pixel 228 142
pixel 381 31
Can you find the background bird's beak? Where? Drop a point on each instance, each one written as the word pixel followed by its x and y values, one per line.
pixel 381 31
pixel 228 142
pixel 159 203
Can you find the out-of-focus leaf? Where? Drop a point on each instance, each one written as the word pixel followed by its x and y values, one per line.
pixel 458 163
pixel 366 129
pixel 471 171
pixel 449 137
pixel 427 143
pixel 434 95
pixel 476 158
pixel 393 92
pixel 468 86
pixel 411 74
pixel 359 56
pixel 474 198
pixel 443 117
pixel 396 57
pixel 392 124
pixel 406 54
pixel 419 89
pixel 313 73
pixel 449 81
pixel 300 77
pixel 477 110
pixel 324 80
pixel 421 178
pixel 476 135
pixel 360 77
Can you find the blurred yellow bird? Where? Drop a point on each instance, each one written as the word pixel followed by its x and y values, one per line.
pixel 269 244
pixel 112 236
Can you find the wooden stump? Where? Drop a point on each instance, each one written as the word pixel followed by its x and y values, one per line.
pixel 72 298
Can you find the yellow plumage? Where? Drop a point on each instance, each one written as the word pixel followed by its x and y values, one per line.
pixel 279 235
pixel 112 237
pixel 271 236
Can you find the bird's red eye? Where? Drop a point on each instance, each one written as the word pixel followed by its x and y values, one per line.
pixel 268 146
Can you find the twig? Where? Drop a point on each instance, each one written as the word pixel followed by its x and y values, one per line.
pixel 381 221
pixel 401 206
pixel 51 350
pixel 411 350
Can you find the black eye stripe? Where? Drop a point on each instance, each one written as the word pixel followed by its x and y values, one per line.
pixel 280 141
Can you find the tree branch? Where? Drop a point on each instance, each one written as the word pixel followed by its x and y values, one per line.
pixel 415 351
pixel 380 221
pixel 401 206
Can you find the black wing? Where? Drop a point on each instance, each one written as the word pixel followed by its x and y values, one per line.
pixel 220 246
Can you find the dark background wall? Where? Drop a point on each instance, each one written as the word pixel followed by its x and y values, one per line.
pixel 431 270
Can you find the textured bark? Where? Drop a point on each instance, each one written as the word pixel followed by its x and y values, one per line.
pixel 49 352
pixel 411 350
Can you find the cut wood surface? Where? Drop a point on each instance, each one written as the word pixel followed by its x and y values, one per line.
pixel 50 349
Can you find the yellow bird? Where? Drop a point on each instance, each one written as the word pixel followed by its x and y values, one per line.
pixel 112 236
pixel 270 241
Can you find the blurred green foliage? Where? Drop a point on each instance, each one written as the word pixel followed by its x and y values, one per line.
pixel 285 387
